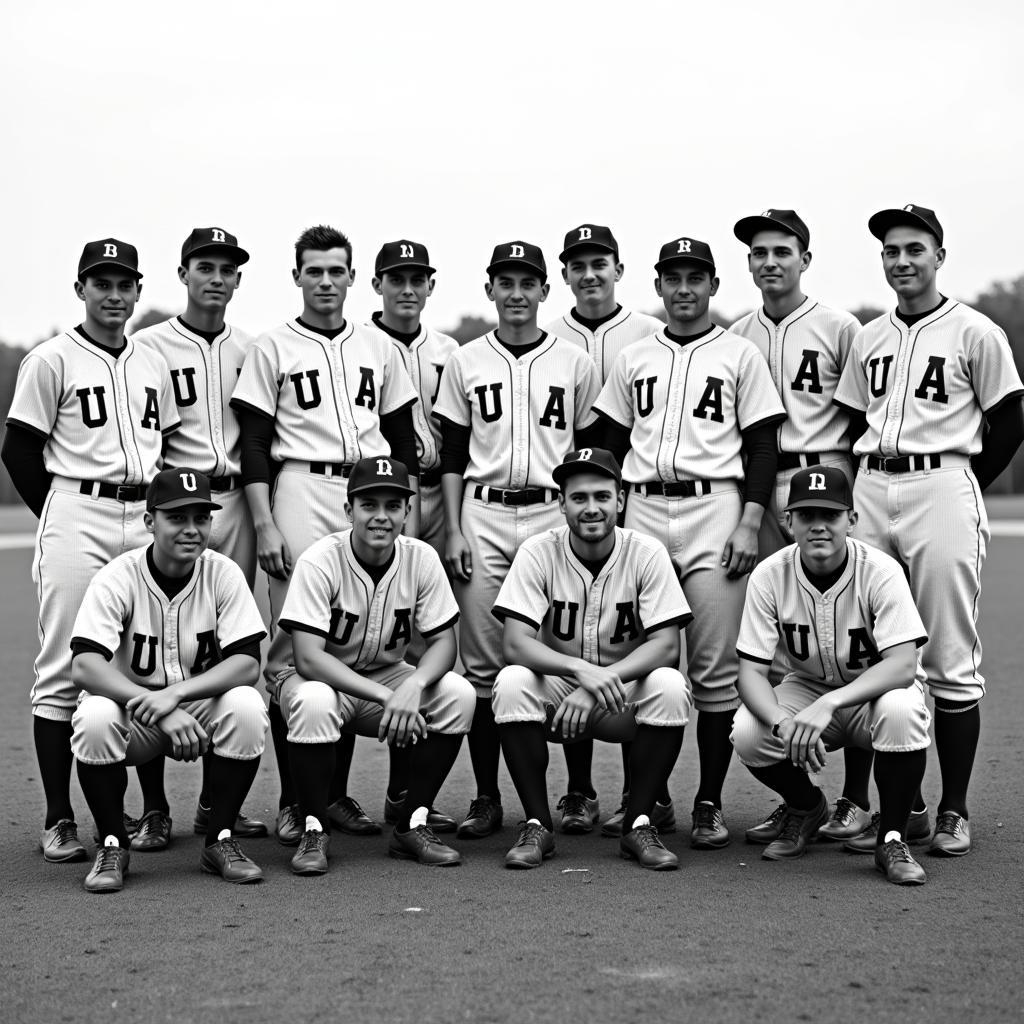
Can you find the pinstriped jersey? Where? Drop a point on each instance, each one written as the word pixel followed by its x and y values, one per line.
pixel 687 405
pixel 828 638
pixel 599 618
pixel 203 375
pixel 367 625
pixel 424 360
pixel 604 344
pixel 925 387
pixel 325 396
pixel 157 641
pixel 806 354
pixel 522 410
pixel 104 416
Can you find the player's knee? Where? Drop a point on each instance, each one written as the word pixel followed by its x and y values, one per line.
pixel 461 700
pixel 249 722
pixel 671 698
pixel 515 693
pixel 900 720
pixel 99 731
pixel 312 712
pixel 752 739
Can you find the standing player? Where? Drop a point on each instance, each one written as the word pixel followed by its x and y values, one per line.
pixel 315 395
pixel 921 383
pixel 205 358
pixel 592 616
pixel 851 637
pixel 354 601
pixel 591 268
pixel 685 406
pixel 166 647
pixel 805 344
pixel 90 412
pixel 511 404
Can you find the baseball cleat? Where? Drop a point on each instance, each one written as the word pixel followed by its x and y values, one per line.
pixel 348 817
pixel 225 858
pixel 894 861
pixel 154 832
pixel 131 826
pixel 484 818
pixel 663 818
pixel 288 826
pixel 643 844
pixel 311 856
pixel 60 844
pixel 847 821
pixel 244 828
pixel 952 836
pixel 532 847
pixel 108 870
pixel 579 813
pixel 918 830
pixel 709 831
pixel 798 829
pixel 437 821
pixel 421 844
pixel 768 830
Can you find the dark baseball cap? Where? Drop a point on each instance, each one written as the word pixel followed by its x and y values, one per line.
pixel 787 221
pixel 910 216
pixel 518 253
pixel 178 488
pixel 203 239
pixel 587 460
pixel 685 249
pixel 109 252
pixel 819 487
pixel 588 236
pixel 400 255
pixel 378 472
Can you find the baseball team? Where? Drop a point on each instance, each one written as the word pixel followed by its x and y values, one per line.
pixel 613 521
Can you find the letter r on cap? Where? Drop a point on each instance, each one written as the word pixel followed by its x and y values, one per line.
pixel 684 245
pixel 817 482
pixel 384 468
pixel 218 235
pixel 110 250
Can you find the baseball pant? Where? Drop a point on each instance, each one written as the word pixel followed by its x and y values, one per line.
pixel 432 519
pixel 232 532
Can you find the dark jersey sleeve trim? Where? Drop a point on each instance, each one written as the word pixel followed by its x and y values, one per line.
pixel 22 425
pixel 440 629
pixel 768 421
pixel 290 626
pixel 678 620
pixel 988 412
pixel 247 645
pixel 239 404
pixel 79 645
pixel 750 657
pixel 501 613
pixel 919 641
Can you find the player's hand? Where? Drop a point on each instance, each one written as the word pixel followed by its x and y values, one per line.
pixel 272 551
pixel 402 722
pixel 740 552
pixel 458 557
pixel 573 714
pixel 805 747
pixel 604 685
pixel 188 740
pixel 149 708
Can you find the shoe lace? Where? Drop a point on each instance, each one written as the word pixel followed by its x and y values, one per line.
pixel 646 835
pixel 232 851
pixel 352 807
pixel 948 821
pixel 427 834
pixel 310 841
pixel 896 851
pixel 791 826
pixel 872 828
pixel 108 858
pixel 66 830
pixel 479 807
pixel 776 816
pixel 844 811
pixel 529 833
pixel 573 804
pixel 154 823
pixel 704 816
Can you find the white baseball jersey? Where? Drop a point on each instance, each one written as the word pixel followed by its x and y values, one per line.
pixel 599 619
pixel 157 641
pixel 806 354
pixel 368 626
pixel 325 397
pixel 925 387
pixel 604 344
pixel 424 359
pixel 104 416
pixel 687 405
pixel 203 376
pixel 522 410
pixel 830 637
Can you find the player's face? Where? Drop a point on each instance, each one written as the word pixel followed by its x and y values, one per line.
pixel 211 280
pixel 911 258
pixel 109 297
pixel 592 274
pixel 821 533
pixel 591 504
pixel 324 279
pixel 180 535
pixel 517 295
pixel 686 290
pixel 405 292
pixel 776 263
pixel 377 519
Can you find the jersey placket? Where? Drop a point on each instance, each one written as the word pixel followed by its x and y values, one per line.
pixel 172 652
pixel 215 409
pixel 346 423
pixel 592 598
pixel 520 422
pixel 888 442
pixel 122 403
pixel 673 423
pixel 411 358
pixel 825 624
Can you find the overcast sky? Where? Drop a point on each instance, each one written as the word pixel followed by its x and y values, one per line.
pixel 467 124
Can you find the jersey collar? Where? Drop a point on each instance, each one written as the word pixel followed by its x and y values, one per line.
pixel 805 583
pixel 805 307
pixel 574 561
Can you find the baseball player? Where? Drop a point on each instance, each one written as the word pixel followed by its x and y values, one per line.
pixel 805 344
pixel 511 404
pixel 205 358
pixel 921 383
pixel 314 396
pixel 851 632
pixel 685 407
pixel 354 600
pixel 591 618
pixel 166 649
pixel 90 412
pixel 591 268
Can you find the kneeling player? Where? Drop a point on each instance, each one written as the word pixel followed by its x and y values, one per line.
pixel 354 600
pixel 853 677
pixel 592 616
pixel 166 648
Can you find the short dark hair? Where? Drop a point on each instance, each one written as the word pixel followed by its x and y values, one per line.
pixel 320 239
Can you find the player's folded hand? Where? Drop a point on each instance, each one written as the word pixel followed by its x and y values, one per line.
pixel 402 722
pixel 457 557
pixel 805 747
pixel 149 708
pixel 604 685
pixel 573 714
pixel 188 740
pixel 740 552
pixel 272 552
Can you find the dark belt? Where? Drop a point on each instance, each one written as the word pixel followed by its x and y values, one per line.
pixel 342 469
pixel 526 496
pixel 676 489
pixel 121 492
pixel 794 460
pixel 430 477
pixel 224 483
pixel 904 463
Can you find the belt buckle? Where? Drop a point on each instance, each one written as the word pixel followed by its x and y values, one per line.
pixel 505 494
pixel 889 464
pixel 122 492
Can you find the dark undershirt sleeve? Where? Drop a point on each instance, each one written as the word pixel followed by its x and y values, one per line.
pixel 858 428
pixel 589 437
pixel 762 462
pixel 399 432
pixel 615 436
pixel 454 447
pixel 257 432
pixel 22 454
pixel 1000 442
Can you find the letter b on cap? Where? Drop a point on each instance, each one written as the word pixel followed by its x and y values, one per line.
pixel 586 454
pixel 585 234
pixel 110 250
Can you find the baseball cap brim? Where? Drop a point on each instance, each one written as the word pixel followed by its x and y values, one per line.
pixel 818 503
pixel 662 264
pixel 564 255
pixel 492 267
pixel 880 224
pixel 112 264
pixel 166 506
pixel 239 255
pixel 405 265
pixel 376 485
pixel 747 227
pixel 564 470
